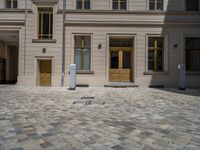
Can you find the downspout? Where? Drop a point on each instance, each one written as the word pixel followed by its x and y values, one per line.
pixel 63 44
pixel 26 12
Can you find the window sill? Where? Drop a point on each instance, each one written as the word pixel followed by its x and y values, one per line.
pixel 193 73
pixel 84 72
pixel 43 41
pixel 155 73
pixel 14 10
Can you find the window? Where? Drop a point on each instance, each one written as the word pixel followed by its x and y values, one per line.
pixel 156 54
pixel 119 4
pixel 118 42
pixel 83 4
pixel 192 5
pixel 82 50
pixel 156 5
pixel 192 53
pixel 45 23
pixel 11 4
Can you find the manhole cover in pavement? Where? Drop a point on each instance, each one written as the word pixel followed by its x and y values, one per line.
pixel 88 101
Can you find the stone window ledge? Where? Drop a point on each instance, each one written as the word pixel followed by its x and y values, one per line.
pixel 84 72
pixel 155 73
pixel 43 41
pixel 193 73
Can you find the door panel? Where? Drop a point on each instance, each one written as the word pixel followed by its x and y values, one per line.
pixel 114 75
pixel 120 66
pixel 114 57
pixel 45 72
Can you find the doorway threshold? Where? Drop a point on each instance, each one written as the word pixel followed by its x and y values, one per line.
pixel 121 85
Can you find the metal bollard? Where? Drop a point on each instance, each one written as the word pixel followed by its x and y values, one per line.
pixel 72 82
pixel 182 80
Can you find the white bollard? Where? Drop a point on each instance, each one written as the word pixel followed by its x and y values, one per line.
pixel 182 76
pixel 72 82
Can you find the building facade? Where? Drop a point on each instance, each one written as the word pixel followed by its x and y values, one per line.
pixel 139 42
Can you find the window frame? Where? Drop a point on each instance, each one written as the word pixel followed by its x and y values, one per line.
pixel 184 54
pixel 39 35
pixel 91 50
pixel 156 10
pixel 127 6
pixel 83 5
pixel 12 4
pixel 185 7
pixel 165 54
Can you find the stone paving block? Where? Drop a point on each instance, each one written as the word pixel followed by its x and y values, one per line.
pixel 130 119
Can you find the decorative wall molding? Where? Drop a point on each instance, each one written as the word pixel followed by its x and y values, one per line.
pixel 173 24
pixel 45 2
pixel 11 22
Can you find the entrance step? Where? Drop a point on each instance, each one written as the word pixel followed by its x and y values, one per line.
pixel 121 85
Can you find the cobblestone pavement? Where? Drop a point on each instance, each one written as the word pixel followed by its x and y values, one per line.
pixel 99 119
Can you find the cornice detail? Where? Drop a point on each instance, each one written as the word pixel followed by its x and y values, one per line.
pixel 45 2
pixel 12 22
pixel 174 24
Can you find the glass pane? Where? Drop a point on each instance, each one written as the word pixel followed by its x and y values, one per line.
pixel 15 4
pixel 151 42
pixel 151 60
pixel 156 42
pixel 40 21
pixel 86 59
pixel 193 43
pixel 160 42
pixel 121 42
pixel 156 49
pixel 87 41
pixel 79 4
pixel 8 3
pixel 126 60
pixel 159 60
pixel 192 54
pixel 159 4
pixel 192 5
pixel 151 4
pixel 114 64
pixel 123 5
pixel 115 5
pixel 46 23
pixel 78 40
pixel 77 58
pixel 195 60
pixel 51 25
pixel 87 4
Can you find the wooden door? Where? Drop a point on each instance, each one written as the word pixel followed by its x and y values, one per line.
pixel 45 72
pixel 120 65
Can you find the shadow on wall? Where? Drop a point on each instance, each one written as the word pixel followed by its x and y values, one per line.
pixel 173 51
pixel 167 54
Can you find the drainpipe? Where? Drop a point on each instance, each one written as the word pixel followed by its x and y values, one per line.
pixel 26 12
pixel 63 44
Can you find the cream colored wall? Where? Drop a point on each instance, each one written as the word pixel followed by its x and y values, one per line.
pixel 136 5
pixel 34 50
pixel 100 57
